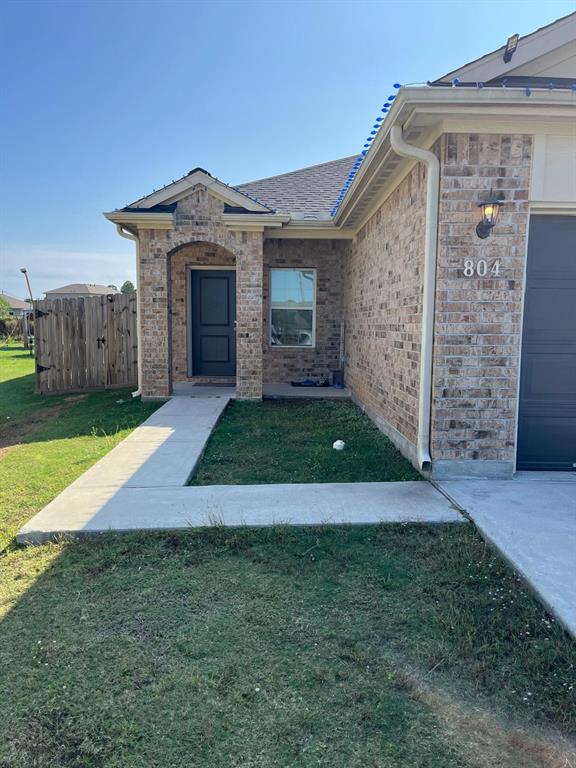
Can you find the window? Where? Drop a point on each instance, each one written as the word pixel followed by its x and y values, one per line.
pixel 293 310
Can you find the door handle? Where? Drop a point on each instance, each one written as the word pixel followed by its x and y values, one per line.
pixel 235 325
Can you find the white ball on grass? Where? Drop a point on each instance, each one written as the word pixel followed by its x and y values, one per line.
pixel 339 445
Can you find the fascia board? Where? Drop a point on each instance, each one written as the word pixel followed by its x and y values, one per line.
pixel 179 189
pixel 530 47
pixel 141 220
pixel 443 102
pixel 244 222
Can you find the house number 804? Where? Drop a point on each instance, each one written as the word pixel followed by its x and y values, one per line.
pixel 481 268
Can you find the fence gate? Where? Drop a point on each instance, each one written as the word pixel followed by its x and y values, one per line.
pixel 85 343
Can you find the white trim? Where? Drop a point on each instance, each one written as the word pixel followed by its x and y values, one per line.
pixel 245 222
pixel 560 209
pixel 314 302
pixel 305 232
pixel 141 220
pixel 432 105
pixel 530 47
pixel 183 187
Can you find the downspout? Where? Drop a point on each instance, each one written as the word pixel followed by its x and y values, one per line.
pixel 129 236
pixel 429 289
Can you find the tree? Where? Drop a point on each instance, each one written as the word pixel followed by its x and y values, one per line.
pixel 4 308
pixel 127 287
pixel 6 322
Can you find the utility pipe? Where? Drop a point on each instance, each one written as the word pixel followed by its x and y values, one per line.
pixel 404 149
pixel 129 236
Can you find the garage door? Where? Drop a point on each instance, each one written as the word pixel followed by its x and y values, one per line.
pixel 547 416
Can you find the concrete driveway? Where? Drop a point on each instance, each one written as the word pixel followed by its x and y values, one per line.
pixel 531 520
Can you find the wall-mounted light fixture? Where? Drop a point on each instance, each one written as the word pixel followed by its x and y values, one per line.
pixel 511 45
pixel 490 208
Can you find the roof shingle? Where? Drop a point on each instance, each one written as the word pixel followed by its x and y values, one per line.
pixel 14 302
pixel 308 193
pixel 91 289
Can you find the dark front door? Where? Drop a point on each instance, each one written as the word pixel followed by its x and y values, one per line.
pixel 213 321
pixel 547 416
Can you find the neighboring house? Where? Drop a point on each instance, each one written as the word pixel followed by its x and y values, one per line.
pixel 462 348
pixel 17 306
pixel 80 290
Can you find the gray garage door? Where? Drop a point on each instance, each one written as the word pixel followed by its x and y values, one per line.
pixel 547 417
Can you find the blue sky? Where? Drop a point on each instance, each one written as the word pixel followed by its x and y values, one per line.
pixel 104 101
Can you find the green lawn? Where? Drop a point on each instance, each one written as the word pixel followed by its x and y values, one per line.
pixel 344 647
pixel 290 441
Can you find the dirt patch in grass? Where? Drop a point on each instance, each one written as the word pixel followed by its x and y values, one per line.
pixel 290 441
pixel 486 740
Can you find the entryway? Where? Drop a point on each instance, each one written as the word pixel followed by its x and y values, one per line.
pixel 213 322
pixel 547 415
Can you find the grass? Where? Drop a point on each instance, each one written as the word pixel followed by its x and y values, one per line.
pixel 290 441
pixel 346 647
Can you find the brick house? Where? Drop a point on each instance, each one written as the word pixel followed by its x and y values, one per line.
pixel 459 341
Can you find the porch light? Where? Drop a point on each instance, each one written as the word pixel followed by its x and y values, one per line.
pixel 490 208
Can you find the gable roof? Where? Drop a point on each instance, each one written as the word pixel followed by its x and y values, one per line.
pixel 160 201
pixel 14 302
pixel 84 288
pixel 308 193
pixel 540 44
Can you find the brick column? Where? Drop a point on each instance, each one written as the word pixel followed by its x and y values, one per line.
pixel 478 316
pixel 249 316
pixel 154 342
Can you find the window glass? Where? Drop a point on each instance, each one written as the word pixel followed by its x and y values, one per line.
pixel 292 303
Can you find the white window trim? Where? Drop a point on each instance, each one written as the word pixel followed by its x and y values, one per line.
pixel 292 346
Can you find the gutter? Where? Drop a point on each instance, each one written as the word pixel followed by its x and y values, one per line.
pixel 404 149
pixel 129 236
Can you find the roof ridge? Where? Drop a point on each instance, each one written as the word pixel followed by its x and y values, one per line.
pixel 297 170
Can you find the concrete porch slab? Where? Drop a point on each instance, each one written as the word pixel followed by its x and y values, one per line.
pixel 188 389
pixel 531 520
pixel 284 391
pixel 280 390
pixel 83 510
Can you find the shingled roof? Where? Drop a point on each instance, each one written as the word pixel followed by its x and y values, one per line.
pixel 14 302
pixel 308 193
pixel 87 289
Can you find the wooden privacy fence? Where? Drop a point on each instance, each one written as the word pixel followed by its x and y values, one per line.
pixel 85 343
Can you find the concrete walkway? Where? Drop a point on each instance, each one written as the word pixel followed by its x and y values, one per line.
pixel 531 520
pixel 87 510
pixel 141 485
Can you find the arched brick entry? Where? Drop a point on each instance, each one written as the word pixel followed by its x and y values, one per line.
pixel 198 231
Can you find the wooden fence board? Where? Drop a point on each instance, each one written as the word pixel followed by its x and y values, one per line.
pixel 86 343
